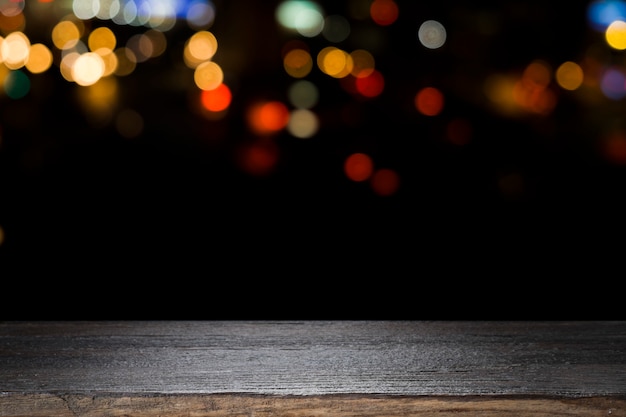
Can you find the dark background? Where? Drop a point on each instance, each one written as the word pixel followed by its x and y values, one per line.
pixel 167 224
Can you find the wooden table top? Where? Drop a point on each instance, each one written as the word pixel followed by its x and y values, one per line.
pixel 315 357
pixel 309 359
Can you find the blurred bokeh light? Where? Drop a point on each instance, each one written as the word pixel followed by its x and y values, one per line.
pixel 156 125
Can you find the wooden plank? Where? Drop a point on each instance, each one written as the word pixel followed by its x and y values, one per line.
pixel 242 405
pixel 312 368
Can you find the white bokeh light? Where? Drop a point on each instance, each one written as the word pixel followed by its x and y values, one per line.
pixel 432 34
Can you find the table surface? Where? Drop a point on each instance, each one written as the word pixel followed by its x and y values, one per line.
pixel 568 359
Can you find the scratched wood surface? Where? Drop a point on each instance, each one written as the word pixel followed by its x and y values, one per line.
pixel 312 368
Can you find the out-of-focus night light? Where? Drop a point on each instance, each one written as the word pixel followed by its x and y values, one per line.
pixel 498 89
pixel 537 74
pixel 385 182
pixel 601 13
pixel 101 37
pixel 531 91
pixel 432 34
pixel 298 63
pixel 429 101
pixel 141 47
pixel 267 117
pixel 303 94
pixel 16 84
pixel 303 123
pixel 200 47
pixel 11 7
pixel 371 85
pixel 616 35
pixel 358 166
pixel 126 61
pixel 613 83
pixel 67 33
pixel 156 14
pixel 303 16
pixel 14 50
pixel 88 68
pixel 310 23
pixel 384 12
pixel 200 14
pixel 208 75
pixel 39 58
pixel 363 63
pixel 12 23
pixel 335 62
pixel 217 99
pixel 569 75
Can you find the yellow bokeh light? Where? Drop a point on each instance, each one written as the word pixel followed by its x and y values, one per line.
pixel 615 35
pixel 202 46
pixel 67 62
pixel 109 58
pixel 298 63
pixel 39 58
pixel 66 34
pixel 569 75
pixel 208 75
pixel 334 62
pixel 101 37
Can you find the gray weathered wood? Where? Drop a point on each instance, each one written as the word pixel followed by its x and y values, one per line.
pixel 402 358
pixel 148 367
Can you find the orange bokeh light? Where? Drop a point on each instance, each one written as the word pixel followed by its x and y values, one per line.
pixel 384 12
pixel 268 117
pixel 429 101
pixel 216 100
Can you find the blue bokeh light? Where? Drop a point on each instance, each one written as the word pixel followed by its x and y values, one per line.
pixel 601 13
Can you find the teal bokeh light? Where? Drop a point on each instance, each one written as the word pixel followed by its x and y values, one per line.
pixel 16 84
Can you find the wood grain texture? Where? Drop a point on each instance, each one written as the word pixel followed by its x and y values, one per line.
pixel 312 368
pixel 241 405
